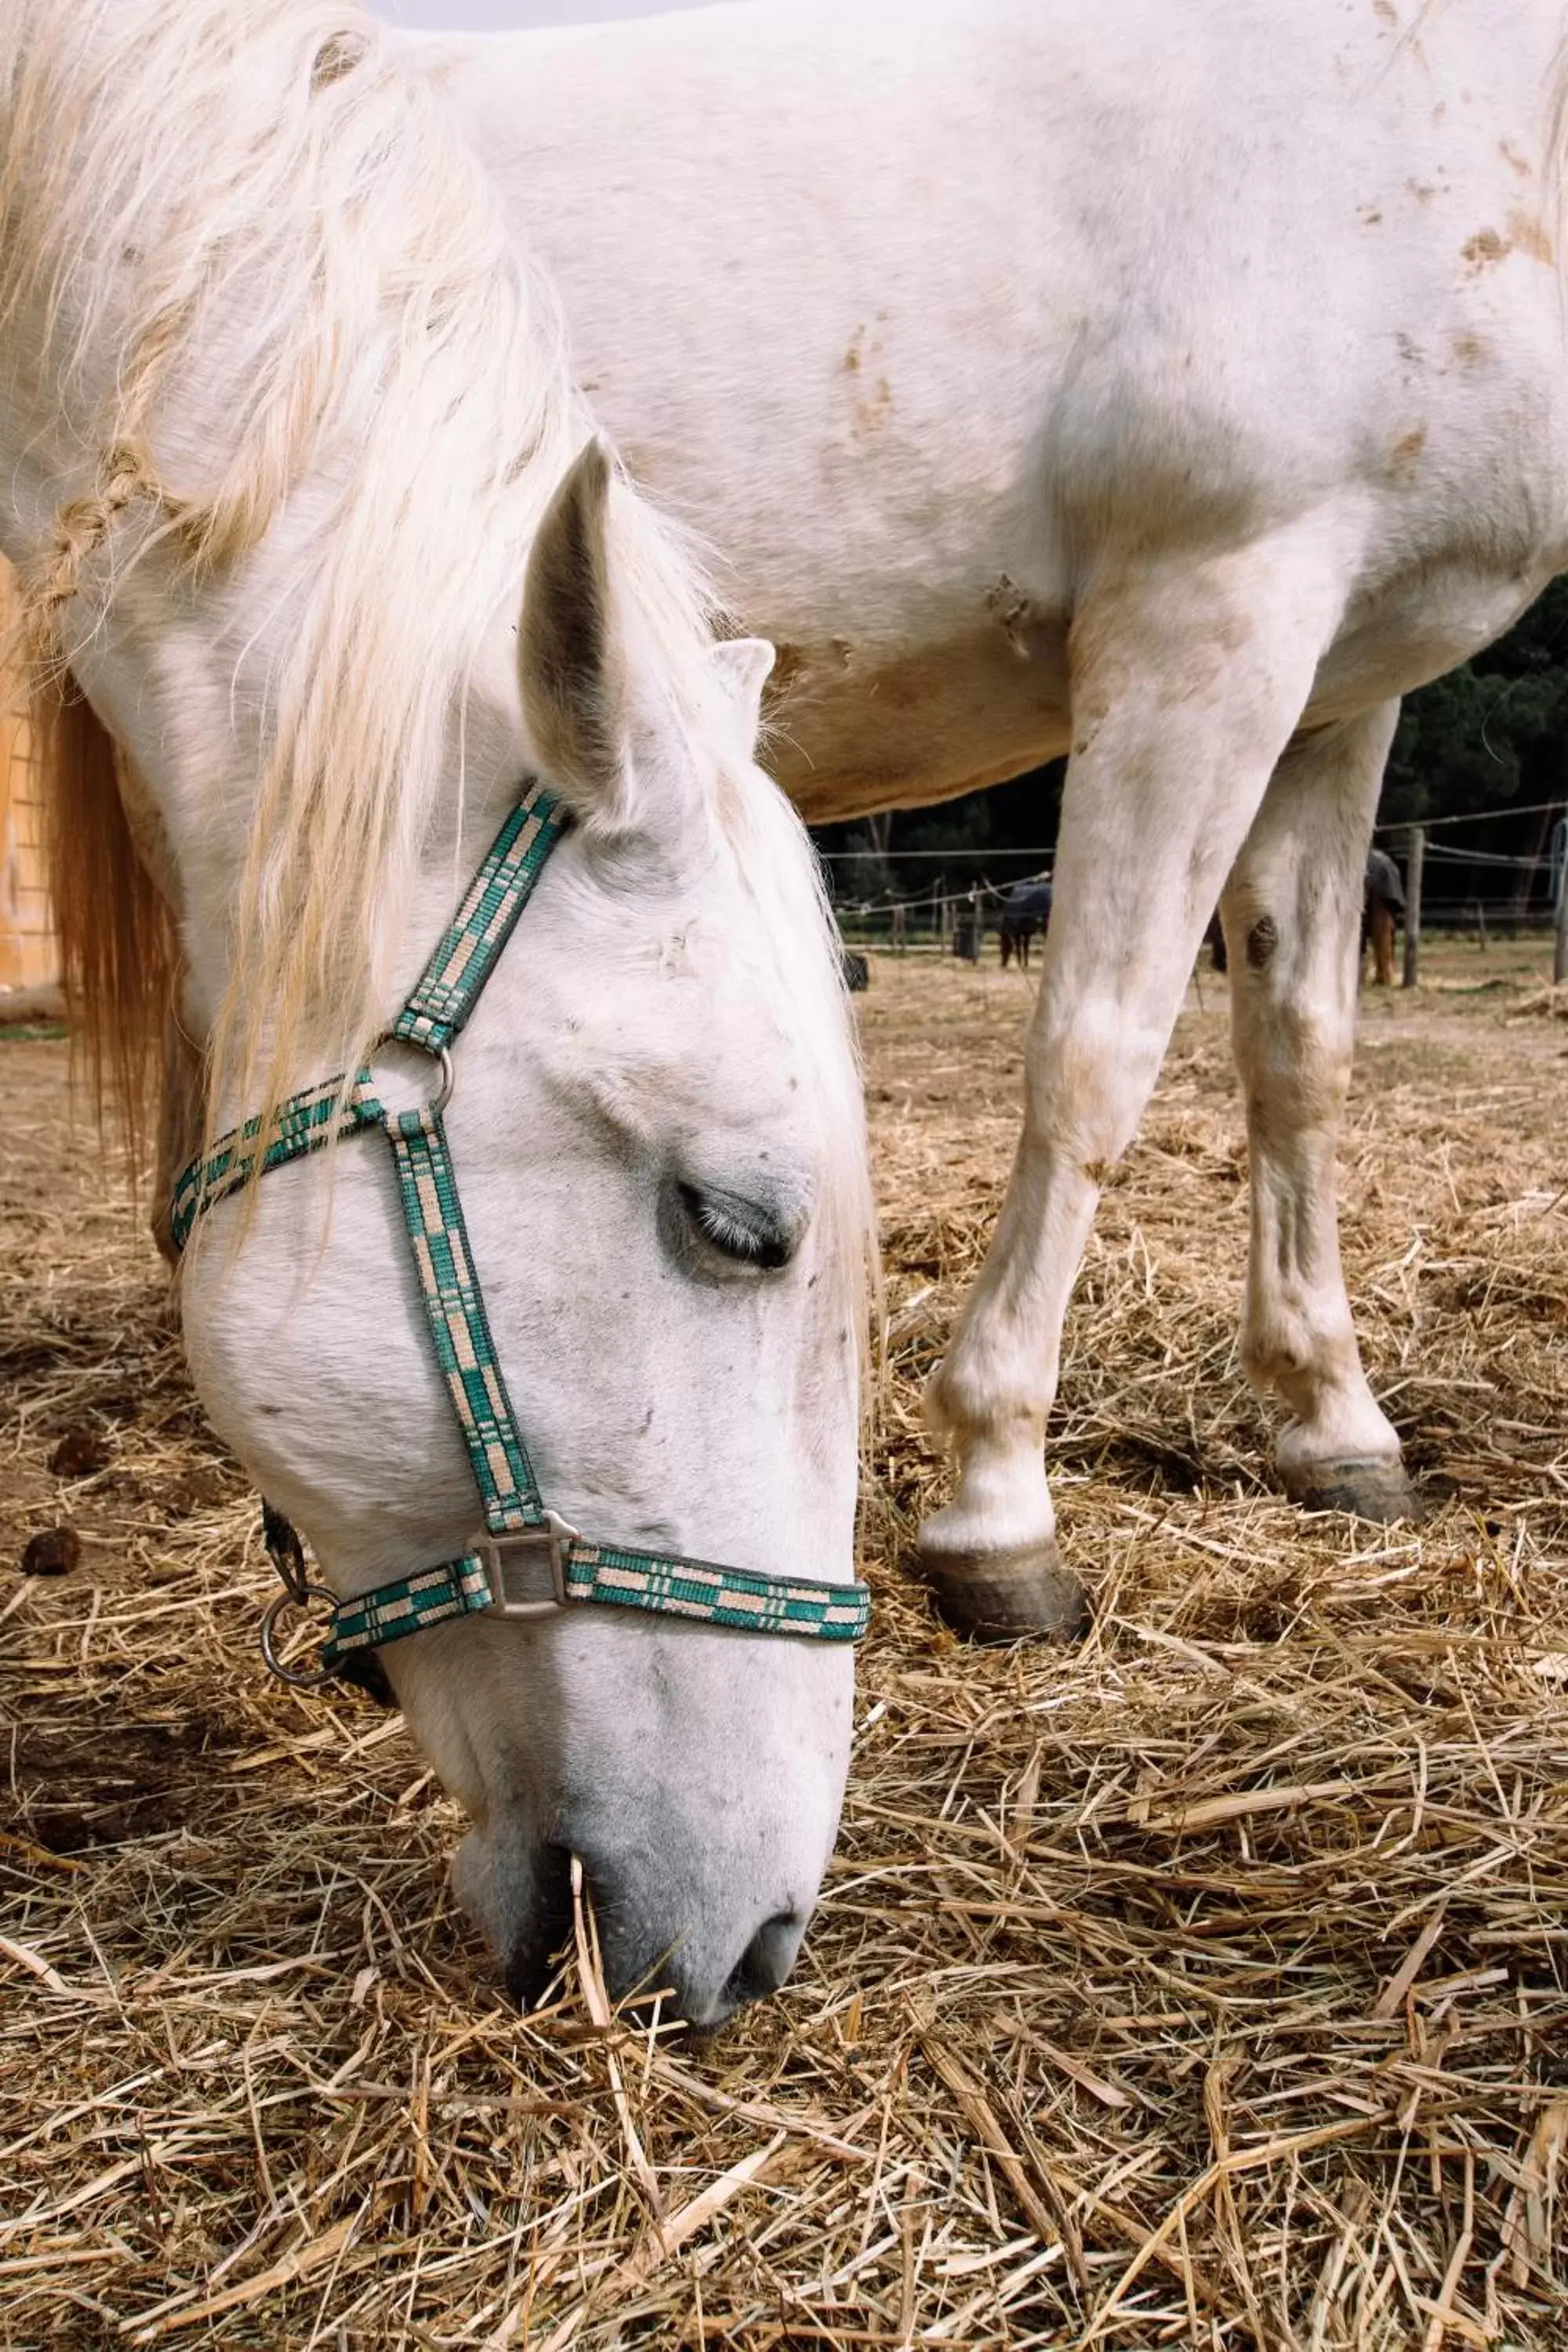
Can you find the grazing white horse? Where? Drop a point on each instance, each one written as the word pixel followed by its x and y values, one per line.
pixel 285 424
pixel 1172 383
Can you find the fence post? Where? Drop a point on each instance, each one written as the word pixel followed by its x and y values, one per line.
pixel 1417 860
pixel 1560 945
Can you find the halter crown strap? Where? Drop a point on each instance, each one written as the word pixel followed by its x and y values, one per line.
pixel 520 1533
pixel 448 988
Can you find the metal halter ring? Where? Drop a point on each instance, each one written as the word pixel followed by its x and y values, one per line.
pixel 307 1679
pixel 439 1054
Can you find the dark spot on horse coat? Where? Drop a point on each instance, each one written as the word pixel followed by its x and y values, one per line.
pixel 1261 941
pixel 1528 234
pixel 1486 248
pixel 335 59
pixel 1014 610
pixel 1402 457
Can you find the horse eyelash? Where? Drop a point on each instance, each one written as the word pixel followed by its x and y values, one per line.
pixel 731 1234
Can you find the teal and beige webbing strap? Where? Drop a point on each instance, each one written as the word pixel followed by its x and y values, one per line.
pixel 306 1122
pixel 441 1000
pixel 615 1578
pixel 445 993
pixel 459 1327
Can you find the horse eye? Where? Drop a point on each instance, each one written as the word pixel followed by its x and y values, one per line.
pixel 737 1230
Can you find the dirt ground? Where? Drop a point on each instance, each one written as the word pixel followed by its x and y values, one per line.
pixel 1207 1984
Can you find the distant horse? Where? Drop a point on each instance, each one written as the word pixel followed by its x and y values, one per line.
pixel 1382 911
pixel 313 514
pixel 1100 377
pixel 1025 909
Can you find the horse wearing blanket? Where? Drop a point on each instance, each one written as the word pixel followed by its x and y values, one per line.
pixel 1172 383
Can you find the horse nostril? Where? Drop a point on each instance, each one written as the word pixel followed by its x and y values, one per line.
pixel 766 1960
pixel 545 1927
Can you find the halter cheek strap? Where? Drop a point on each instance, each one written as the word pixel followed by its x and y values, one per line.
pixel 528 1562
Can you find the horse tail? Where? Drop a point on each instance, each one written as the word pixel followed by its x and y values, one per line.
pixel 116 947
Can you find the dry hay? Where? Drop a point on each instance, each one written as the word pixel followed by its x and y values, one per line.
pixel 1547 1003
pixel 1204 1986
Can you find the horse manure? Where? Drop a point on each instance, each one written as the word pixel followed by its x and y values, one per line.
pixel 199 1489
pixel 81 1452
pixel 54 1552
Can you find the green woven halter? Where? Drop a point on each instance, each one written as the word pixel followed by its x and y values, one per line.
pixel 528 1562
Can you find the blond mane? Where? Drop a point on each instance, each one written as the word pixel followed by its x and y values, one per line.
pixel 185 178
pixel 116 942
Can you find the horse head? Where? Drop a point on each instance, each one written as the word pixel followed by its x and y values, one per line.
pixel 312 534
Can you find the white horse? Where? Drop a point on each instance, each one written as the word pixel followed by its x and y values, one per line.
pixel 283 423
pixel 1172 383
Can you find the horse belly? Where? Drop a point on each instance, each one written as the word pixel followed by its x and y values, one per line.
pixel 852 731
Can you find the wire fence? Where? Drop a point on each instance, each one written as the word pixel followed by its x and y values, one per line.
pixel 1449 887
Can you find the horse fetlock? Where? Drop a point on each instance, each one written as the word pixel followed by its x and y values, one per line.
pixel 1327 1394
pixel 1274 1358
pixel 973 1399
pixel 1304 1347
pixel 1002 1503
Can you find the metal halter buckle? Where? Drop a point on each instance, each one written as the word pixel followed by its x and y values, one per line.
pixel 554 1538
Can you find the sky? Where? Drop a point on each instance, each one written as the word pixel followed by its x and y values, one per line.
pixel 499 16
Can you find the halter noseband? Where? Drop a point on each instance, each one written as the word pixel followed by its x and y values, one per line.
pixel 525 1544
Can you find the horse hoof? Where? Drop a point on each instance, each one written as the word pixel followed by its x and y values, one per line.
pixel 1006 1596
pixel 1371 1488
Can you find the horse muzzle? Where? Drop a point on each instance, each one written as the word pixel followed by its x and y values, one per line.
pixel 659 1935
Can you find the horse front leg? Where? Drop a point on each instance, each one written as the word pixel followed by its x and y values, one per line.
pixel 1188 680
pixel 1293 917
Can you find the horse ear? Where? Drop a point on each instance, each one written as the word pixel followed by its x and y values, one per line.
pixel 571 661
pixel 744 666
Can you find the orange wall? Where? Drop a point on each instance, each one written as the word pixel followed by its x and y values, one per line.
pixel 27 952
